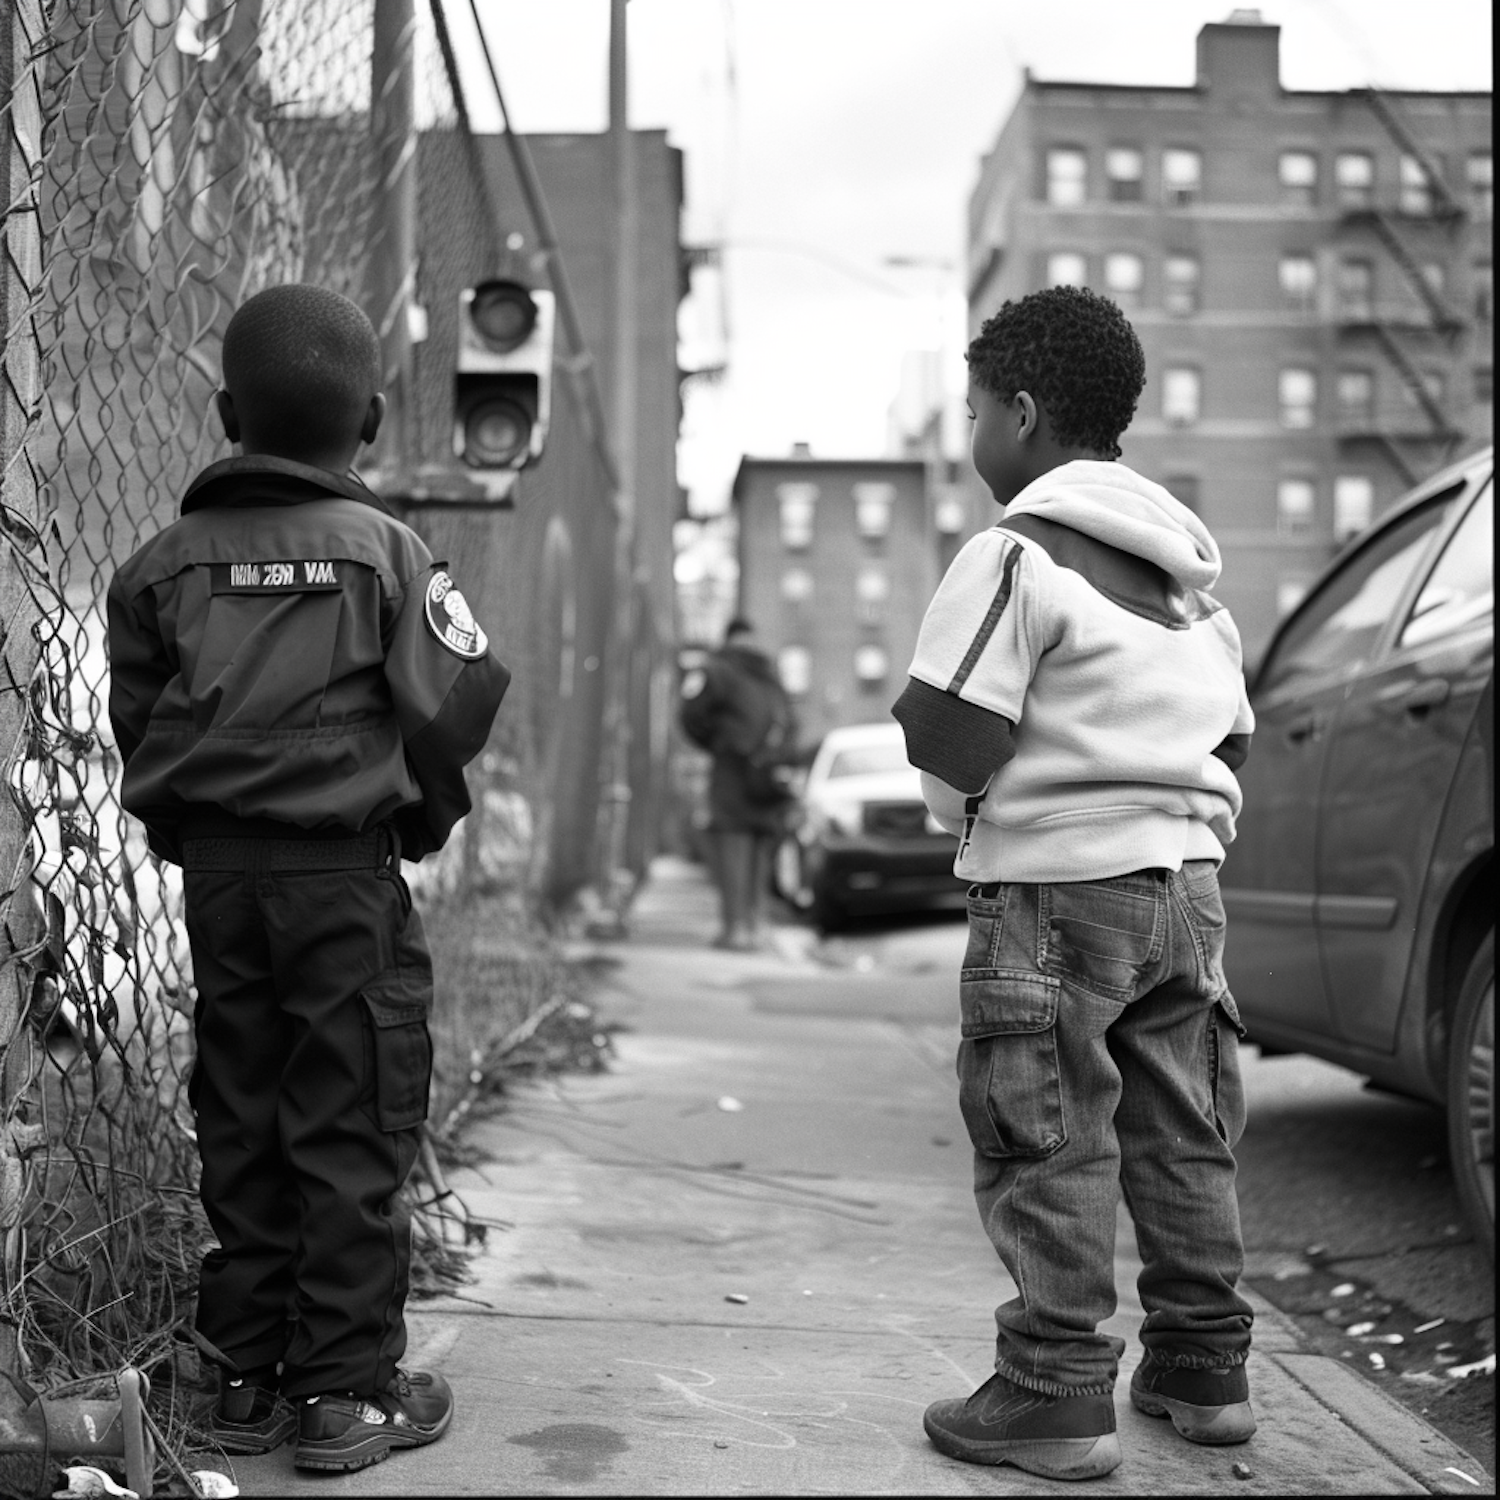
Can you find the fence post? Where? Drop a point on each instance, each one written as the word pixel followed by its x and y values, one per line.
pixel 23 562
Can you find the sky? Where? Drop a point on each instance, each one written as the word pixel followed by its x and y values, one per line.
pixel 825 139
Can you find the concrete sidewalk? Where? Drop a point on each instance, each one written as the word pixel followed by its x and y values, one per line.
pixel 746 1258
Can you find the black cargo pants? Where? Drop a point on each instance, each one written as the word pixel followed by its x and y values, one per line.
pixel 310 1087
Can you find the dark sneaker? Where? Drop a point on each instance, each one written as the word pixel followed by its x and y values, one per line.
pixel 352 1432
pixel 1059 1437
pixel 1206 1406
pixel 251 1418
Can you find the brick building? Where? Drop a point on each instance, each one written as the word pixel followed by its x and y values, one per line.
pixel 1309 272
pixel 837 561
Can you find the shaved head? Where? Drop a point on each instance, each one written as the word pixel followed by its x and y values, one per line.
pixel 301 366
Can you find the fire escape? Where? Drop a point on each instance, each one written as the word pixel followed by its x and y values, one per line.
pixel 1411 338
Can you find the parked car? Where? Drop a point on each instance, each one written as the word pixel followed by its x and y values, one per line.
pixel 1360 890
pixel 864 841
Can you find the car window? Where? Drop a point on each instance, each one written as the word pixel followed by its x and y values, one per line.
pixel 867 760
pixel 1337 629
pixel 1461 588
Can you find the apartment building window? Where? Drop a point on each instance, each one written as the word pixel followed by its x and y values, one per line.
pixel 1298 174
pixel 1125 170
pixel 1484 383
pixel 1181 394
pixel 794 667
pixel 950 512
pixel 797 502
pixel 872 588
pixel 1356 393
pixel 1484 291
pixel 1354 179
pixel 1124 276
pixel 1353 505
pixel 1180 275
pixel 1297 396
pixel 871 664
pixel 1067 176
pixel 1181 176
pixel 1481 179
pixel 1356 289
pixel 1185 487
pixel 1298 275
pixel 1295 503
pixel 873 503
pixel 1415 194
pixel 1067 268
pixel 796 585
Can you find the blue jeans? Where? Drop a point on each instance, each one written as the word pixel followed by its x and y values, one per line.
pixel 1100 1049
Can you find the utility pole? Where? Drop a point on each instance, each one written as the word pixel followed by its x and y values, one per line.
pixel 616 800
pixel 393 257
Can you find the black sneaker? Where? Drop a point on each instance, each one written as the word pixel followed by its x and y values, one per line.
pixel 1206 1406
pixel 251 1418
pixel 1059 1437
pixel 344 1431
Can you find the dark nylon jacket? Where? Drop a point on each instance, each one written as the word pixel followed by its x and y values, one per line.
pixel 289 650
pixel 734 705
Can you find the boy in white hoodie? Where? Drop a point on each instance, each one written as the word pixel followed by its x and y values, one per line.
pixel 1077 708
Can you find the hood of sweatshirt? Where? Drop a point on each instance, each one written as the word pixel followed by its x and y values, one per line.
pixel 1115 505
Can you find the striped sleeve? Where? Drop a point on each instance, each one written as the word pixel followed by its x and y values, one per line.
pixel 973 661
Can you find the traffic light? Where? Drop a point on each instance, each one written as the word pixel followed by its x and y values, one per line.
pixel 502 398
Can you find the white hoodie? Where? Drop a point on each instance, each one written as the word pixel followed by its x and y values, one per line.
pixel 1076 702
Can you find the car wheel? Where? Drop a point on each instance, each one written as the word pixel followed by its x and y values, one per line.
pixel 1471 1095
pixel 789 875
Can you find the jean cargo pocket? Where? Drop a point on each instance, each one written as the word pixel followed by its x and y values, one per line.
pixel 1009 1085
pixel 402 1052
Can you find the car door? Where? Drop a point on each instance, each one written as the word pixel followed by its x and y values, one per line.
pixel 1270 874
pixel 1393 750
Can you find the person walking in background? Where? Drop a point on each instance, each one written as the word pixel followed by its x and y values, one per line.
pixel 296 686
pixel 735 707
pixel 1077 708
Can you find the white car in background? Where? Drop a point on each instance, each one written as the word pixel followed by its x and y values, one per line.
pixel 864 841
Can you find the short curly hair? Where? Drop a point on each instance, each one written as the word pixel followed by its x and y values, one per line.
pixel 1077 355
pixel 301 363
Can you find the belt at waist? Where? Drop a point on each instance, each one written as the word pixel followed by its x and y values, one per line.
pixel 363 851
pixel 213 839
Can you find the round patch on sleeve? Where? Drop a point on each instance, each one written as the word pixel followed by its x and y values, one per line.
pixel 450 620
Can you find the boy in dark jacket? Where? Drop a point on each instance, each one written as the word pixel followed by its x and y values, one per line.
pixel 1077 708
pixel 296 687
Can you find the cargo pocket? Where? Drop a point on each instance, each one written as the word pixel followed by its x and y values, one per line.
pixel 1009 1086
pixel 1224 1032
pixel 402 1052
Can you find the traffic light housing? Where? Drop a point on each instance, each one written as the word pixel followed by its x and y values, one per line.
pixel 502 397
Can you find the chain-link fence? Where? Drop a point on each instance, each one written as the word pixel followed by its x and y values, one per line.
pixel 161 161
